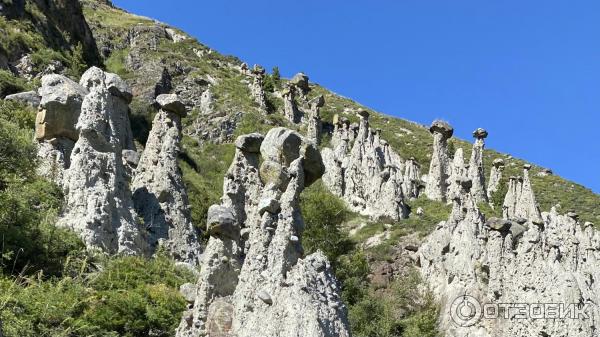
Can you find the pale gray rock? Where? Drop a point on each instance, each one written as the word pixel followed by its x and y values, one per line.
pixel 545 172
pixel 249 143
pixel 439 169
pixel 300 80
pixel 31 98
pixel 188 291
pixel 257 75
pixel 98 204
pixel 131 157
pixel 259 283
pixel 314 125
pixel 221 222
pixel 367 174
pixel 159 193
pixel 290 107
pixel 476 169
pixel 512 197
pixel 54 158
pixel 495 176
pixel 171 103
pixel 60 105
pixel 458 172
pixel 412 184
pixel 207 102
pixel 502 261
pixel 526 206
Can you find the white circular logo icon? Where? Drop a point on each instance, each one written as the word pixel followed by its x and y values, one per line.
pixel 465 311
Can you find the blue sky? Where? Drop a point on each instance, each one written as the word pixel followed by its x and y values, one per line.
pixel 527 71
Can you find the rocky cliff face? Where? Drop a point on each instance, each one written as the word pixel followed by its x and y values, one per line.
pixel 55 32
pixel 255 280
pixel 527 258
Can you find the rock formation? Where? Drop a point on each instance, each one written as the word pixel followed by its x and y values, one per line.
pixel 522 260
pixel 439 169
pixel 255 279
pixel 411 182
pixel 525 206
pixel 314 125
pixel 256 87
pixel 300 81
pixel 458 172
pixel 158 191
pixel 368 175
pixel 290 107
pixel 30 98
pixel 55 131
pixel 98 202
pixel 495 177
pixel 476 169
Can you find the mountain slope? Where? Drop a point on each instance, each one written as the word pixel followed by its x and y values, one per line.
pixel 371 261
pixel 153 58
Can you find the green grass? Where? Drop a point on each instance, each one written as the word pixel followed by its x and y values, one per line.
pixel 110 17
pixel 204 168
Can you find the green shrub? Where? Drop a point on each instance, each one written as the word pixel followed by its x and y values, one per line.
pixel 127 297
pixel 401 310
pixel 18 114
pixel 28 204
pixel 10 84
pixel 204 168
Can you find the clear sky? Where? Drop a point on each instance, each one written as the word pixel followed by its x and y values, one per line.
pixel 527 71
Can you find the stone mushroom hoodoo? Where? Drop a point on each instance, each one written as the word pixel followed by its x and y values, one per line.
pixel 255 279
pixel 527 257
pixel 55 131
pixel 290 108
pixel 495 177
pixel 158 191
pixel 476 169
pixel 257 75
pixel 439 170
pixel 314 126
pixel 368 175
pixel 97 195
pixel 86 146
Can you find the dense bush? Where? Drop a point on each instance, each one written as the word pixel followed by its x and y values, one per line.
pixel 28 204
pixel 127 297
pixel 402 310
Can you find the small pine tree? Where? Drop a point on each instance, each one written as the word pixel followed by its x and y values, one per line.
pixel 276 76
pixel 77 64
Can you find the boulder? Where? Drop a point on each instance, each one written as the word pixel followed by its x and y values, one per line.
pixel 221 222
pixel 442 127
pixel 300 80
pixel 250 143
pixel 31 98
pixel 60 105
pixel 171 103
